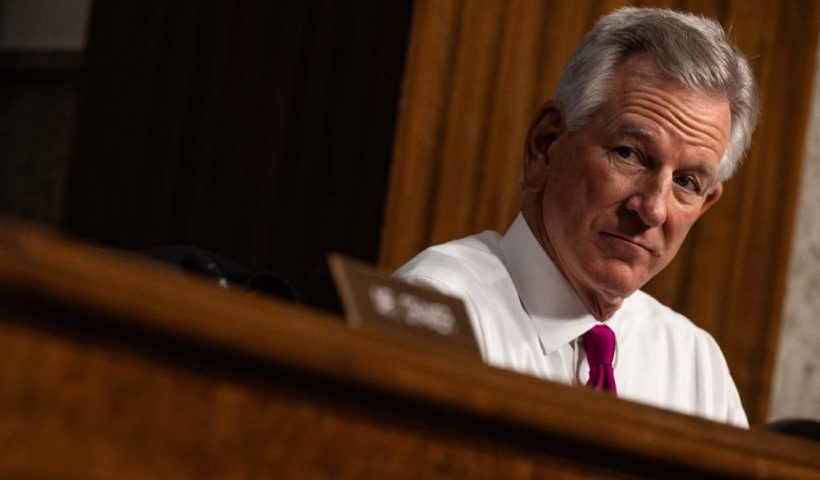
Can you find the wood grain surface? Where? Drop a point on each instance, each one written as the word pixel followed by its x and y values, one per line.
pixel 117 369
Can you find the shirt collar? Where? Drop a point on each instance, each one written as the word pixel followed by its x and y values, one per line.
pixel 557 312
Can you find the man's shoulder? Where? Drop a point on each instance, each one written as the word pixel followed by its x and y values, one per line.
pixel 650 314
pixel 476 258
pixel 670 342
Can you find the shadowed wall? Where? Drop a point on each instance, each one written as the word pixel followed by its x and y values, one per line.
pixel 796 389
pixel 258 130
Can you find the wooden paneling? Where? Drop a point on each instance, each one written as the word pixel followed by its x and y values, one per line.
pixel 477 73
pixel 38 94
pixel 258 130
pixel 117 369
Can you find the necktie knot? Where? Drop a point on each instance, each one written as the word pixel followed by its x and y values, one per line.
pixel 599 344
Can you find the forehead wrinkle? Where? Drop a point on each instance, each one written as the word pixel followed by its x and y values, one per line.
pixel 639 78
pixel 689 133
pixel 687 120
pixel 627 128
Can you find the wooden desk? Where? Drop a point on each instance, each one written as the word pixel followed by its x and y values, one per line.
pixel 112 368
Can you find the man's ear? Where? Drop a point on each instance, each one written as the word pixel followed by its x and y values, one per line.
pixel 544 129
pixel 711 198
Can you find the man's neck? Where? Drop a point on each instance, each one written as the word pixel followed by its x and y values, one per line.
pixel 599 304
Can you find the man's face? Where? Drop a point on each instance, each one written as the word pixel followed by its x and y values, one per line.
pixel 620 193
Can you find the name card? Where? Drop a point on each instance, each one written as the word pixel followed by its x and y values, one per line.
pixel 374 300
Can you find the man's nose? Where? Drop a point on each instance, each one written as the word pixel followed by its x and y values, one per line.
pixel 650 198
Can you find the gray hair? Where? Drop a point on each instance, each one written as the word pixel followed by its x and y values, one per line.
pixel 690 49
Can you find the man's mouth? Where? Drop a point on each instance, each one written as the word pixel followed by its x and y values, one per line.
pixel 633 241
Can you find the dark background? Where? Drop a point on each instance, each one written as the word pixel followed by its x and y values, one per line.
pixel 258 130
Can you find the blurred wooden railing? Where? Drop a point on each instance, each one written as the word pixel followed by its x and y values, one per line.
pixel 112 368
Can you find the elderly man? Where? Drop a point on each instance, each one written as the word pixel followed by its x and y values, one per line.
pixel 651 115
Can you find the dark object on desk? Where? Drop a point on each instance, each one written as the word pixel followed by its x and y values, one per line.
pixel 227 273
pixel 797 427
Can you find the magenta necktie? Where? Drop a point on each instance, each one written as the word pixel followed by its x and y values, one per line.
pixel 599 344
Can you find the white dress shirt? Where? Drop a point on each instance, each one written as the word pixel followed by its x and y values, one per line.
pixel 527 318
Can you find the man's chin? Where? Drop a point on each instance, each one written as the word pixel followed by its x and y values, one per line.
pixel 620 282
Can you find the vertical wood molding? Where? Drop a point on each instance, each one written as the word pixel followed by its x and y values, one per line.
pixel 420 128
pixel 476 73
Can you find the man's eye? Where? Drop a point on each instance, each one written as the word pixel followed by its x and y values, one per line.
pixel 688 183
pixel 624 152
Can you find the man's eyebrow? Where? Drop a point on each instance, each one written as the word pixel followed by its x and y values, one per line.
pixel 701 167
pixel 633 131
pixel 707 171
